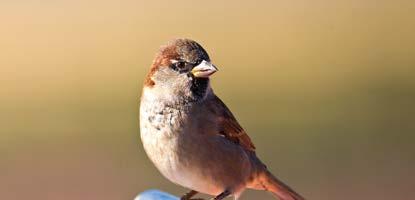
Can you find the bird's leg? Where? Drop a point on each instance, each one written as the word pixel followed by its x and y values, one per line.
pixel 222 195
pixel 189 195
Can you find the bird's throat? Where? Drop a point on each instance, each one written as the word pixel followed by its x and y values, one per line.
pixel 199 88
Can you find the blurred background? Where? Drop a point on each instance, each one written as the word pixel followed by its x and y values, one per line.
pixel 326 90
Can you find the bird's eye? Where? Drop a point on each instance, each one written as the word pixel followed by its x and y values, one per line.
pixel 180 64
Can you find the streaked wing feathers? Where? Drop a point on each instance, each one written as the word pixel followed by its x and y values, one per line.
pixel 230 128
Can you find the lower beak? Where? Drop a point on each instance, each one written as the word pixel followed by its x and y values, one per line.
pixel 204 69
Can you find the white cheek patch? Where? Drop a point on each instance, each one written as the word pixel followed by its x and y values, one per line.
pixel 174 61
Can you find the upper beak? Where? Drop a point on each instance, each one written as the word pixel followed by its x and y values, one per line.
pixel 204 69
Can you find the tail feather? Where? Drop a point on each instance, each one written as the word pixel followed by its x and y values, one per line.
pixel 267 181
pixel 280 189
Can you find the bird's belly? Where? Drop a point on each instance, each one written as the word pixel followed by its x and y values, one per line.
pixel 167 155
pixel 205 163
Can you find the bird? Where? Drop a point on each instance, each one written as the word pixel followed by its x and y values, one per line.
pixel 191 136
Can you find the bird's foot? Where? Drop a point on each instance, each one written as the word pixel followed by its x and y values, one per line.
pixel 189 195
pixel 222 195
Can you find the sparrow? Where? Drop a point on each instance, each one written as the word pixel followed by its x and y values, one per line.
pixel 191 136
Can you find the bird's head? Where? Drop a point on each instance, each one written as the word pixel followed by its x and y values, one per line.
pixel 182 67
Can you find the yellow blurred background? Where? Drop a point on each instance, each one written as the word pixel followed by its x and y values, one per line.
pixel 326 90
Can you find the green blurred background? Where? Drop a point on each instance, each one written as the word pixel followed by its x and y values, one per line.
pixel 326 90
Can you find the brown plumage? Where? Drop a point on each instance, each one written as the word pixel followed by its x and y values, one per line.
pixel 229 127
pixel 189 133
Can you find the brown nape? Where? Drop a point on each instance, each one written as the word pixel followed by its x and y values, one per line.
pixel 162 60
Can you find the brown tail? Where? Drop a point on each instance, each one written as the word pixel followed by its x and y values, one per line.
pixel 267 181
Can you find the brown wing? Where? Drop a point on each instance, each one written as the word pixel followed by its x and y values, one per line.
pixel 228 125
